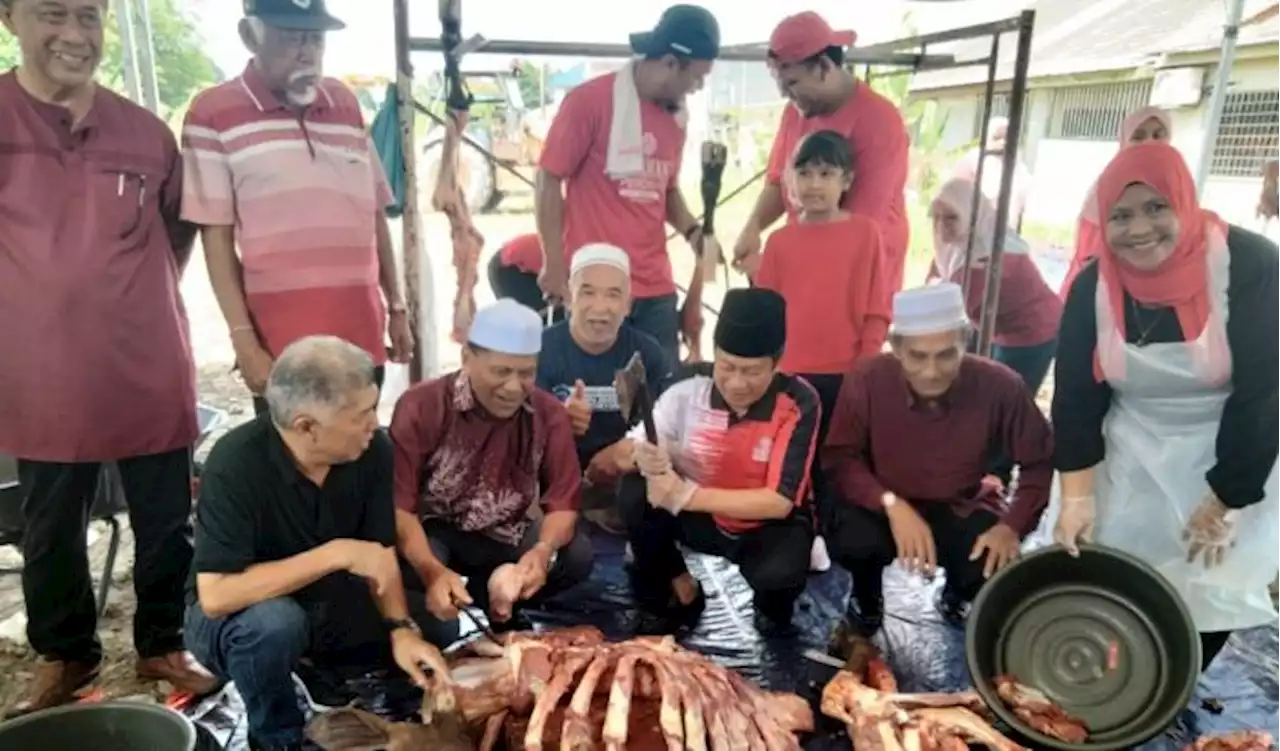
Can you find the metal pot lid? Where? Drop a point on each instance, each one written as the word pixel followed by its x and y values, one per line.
pixel 1091 651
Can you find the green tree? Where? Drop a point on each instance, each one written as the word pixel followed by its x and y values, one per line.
pixel 530 75
pixel 182 67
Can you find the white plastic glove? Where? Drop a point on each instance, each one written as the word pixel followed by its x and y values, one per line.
pixel 1075 523
pixel 1210 531
pixel 650 459
pixel 670 491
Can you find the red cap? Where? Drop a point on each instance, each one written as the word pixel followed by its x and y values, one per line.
pixel 804 35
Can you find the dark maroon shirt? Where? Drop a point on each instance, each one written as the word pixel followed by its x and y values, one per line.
pixel 456 463
pixel 95 359
pixel 884 438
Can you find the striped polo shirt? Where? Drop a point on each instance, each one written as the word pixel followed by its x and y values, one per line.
pixel 304 192
pixel 771 445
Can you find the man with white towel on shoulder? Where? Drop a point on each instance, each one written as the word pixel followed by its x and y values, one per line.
pixel 610 168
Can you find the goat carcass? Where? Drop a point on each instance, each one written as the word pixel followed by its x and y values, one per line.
pixel 1243 740
pixel 467 241
pixel 571 690
pixel 1039 712
pixel 864 696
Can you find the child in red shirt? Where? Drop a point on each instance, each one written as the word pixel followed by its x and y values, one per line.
pixel 829 267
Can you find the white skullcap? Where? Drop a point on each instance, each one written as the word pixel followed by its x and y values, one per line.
pixel 507 327
pixel 929 310
pixel 600 254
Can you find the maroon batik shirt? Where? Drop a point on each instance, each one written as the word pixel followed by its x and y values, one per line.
pixel 885 439
pixel 455 463
pixel 95 357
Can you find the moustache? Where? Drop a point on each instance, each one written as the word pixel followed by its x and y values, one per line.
pixel 298 75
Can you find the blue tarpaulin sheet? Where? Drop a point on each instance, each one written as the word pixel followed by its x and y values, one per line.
pixel 924 653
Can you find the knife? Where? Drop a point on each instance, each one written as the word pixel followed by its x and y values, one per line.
pixel 473 614
pixel 822 658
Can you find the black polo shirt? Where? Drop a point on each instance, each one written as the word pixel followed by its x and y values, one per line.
pixel 256 506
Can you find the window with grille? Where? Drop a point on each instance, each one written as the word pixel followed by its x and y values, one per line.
pixel 1000 108
pixel 1249 134
pixel 1094 113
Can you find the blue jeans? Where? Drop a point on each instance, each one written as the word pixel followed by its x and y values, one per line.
pixel 659 318
pixel 258 649
pixel 1032 363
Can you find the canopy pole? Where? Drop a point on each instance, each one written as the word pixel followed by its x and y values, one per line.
pixel 412 258
pixel 1218 98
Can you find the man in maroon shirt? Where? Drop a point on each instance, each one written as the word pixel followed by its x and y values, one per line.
pixel 487 481
pixel 909 446
pixel 95 364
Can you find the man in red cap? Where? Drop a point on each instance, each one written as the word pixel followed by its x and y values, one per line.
pixel 807 56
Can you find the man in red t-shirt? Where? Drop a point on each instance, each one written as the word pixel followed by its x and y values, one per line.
pixel 806 56
pixel 611 165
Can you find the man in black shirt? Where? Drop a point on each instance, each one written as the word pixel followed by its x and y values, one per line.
pixel 295 540
pixel 579 359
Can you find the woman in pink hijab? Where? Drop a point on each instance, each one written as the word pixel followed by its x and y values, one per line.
pixel 1146 124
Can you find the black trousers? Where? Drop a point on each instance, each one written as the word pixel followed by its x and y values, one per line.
pixel 861 541
pixel 56 582
pixel 475 556
pixel 379 374
pixel 828 387
pixel 773 558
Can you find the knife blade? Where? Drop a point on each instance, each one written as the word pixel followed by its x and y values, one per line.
pixel 822 658
pixel 473 614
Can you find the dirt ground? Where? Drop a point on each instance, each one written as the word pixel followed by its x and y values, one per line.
pixel 220 388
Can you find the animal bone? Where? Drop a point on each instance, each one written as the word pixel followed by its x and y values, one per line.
pixel 571 690
pixel 864 696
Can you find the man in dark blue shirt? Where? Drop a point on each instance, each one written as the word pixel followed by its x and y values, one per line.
pixel 579 359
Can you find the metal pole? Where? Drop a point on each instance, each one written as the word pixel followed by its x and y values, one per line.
pixel 424 351
pixel 150 84
pixel 1017 99
pixel 983 132
pixel 128 51
pixel 1218 98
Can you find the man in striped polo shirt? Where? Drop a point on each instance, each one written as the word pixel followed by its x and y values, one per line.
pixel 278 163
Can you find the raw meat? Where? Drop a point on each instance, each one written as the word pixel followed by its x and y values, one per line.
pixel 864 696
pixel 1243 740
pixel 466 239
pixel 1039 712
pixel 570 689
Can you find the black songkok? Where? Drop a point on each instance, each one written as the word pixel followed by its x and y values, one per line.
pixel 752 323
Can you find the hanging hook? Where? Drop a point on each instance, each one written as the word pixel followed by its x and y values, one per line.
pixel 458 97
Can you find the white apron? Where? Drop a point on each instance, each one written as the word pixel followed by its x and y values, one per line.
pixel 1160 433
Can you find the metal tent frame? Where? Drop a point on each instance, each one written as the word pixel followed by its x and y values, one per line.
pixel 908 55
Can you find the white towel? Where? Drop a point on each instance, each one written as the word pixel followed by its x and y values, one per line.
pixel 625 156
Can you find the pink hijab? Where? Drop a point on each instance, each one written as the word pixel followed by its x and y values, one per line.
pixel 1088 228
pixel 1181 281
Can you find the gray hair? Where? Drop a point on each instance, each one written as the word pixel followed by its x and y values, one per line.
pixel 316 374
pixel 257 28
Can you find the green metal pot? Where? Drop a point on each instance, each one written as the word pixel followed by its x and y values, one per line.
pixel 1104 635
pixel 109 726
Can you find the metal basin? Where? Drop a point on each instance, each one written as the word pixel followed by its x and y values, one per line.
pixel 1103 635
pixel 110 726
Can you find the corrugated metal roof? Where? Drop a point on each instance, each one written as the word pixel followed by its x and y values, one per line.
pixel 1100 35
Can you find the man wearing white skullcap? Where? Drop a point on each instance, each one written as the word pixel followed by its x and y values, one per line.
pixel 579 359
pixel 475 450
pixel 910 444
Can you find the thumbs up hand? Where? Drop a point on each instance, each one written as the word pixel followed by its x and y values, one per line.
pixel 579 408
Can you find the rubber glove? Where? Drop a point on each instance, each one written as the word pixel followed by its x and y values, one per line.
pixel 1075 523
pixel 670 491
pixel 1210 531
pixel 651 460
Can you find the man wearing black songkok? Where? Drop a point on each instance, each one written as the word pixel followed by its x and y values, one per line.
pixel 729 476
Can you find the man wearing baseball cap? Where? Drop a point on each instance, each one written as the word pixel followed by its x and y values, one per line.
pixel 281 177
pixel 807 56
pixel 610 168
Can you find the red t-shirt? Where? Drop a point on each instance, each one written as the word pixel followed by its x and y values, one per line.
pixel 524 252
pixel 630 213
pixel 832 277
pixel 879 142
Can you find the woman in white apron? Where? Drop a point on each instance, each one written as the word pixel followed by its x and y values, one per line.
pixel 1164 411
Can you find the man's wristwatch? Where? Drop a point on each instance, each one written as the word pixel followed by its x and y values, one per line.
pixel 552 554
pixel 888 500
pixel 395 624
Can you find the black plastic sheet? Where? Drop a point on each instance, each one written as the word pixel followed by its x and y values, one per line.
pixel 925 653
